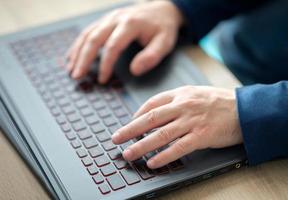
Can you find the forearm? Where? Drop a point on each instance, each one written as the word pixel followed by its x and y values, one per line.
pixel 263 114
pixel 203 15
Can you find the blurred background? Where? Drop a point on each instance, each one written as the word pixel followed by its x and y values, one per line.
pixel 18 14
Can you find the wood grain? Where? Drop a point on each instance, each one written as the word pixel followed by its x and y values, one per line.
pixel 17 182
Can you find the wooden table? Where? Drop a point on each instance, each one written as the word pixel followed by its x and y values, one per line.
pixel 267 181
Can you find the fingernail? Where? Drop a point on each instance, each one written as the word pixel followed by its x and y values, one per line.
pixel 151 163
pixel 128 154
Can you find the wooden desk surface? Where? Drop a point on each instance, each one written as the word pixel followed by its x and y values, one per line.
pixel 267 181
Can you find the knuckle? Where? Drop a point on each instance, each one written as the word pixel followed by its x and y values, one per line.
pixel 190 103
pixel 152 117
pixel 151 103
pixel 129 20
pixel 92 39
pixel 112 47
pixel 164 134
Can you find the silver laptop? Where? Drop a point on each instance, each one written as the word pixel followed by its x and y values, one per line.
pixel 62 127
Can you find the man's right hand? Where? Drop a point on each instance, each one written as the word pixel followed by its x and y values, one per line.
pixel 154 25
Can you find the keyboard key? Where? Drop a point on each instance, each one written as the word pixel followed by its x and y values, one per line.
pixel 46 96
pixel 150 155
pixel 65 81
pixel 81 103
pixel 81 153
pixel 58 94
pixel 103 136
pixel 108 145
pixel 144 172
pixel 65 127
pixel 86 111
pixel 115 181
pixel 92 119
pixel 63 102
pixel 104 112
pixel 115 104
pixel 162 170
pixel 89 143
pixel 114 154
pixel 99 105
pixel 97 128
pixel 87 161
pixel 130 176
pixel 53 87
pixel 120 163
pixel 84 134
pixel 55 111
pixel 108 170
pixel 70 135
pixel 109 121
pixel 73 117
pixel 92 97
pixel 75 144
pixel 120 112
pixel 96 151
pixel 51 104
pixel 68 109
pixel 114 128
pixel 124 120
pixel 101 161
pixel 75 96
pixel 98 178
pixel 61 119
pixel 108 96
pixel 104 188
pixel 176 165
pixel 79 125
pixel 125 145
pixel 92 170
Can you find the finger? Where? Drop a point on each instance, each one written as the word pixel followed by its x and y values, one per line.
pixel 77 45
pixel 90 48
pixel 154 52
pixel 155 140
pixel 146 122
pixel 181 147
pixel 121 37
pixel 154 102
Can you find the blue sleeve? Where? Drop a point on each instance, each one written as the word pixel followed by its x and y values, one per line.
pixel 203 15
pixel 263 115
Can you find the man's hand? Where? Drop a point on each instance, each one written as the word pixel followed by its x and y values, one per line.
pixel 193 118
pixel 154 24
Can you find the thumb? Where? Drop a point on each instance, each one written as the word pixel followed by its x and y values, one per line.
pixel 152 54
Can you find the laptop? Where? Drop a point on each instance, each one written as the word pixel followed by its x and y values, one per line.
pixel 62 128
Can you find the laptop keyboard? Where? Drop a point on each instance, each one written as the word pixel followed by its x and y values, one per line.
pixel 88 114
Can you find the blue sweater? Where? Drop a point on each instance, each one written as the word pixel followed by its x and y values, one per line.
pixel 254 45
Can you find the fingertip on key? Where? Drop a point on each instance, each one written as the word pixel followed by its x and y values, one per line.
pixel 116 138
pixel 128 154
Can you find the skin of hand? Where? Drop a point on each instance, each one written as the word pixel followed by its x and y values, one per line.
pixel 188 118
pixel 154 25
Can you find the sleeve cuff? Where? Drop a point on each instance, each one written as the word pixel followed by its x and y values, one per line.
pixel 263 119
